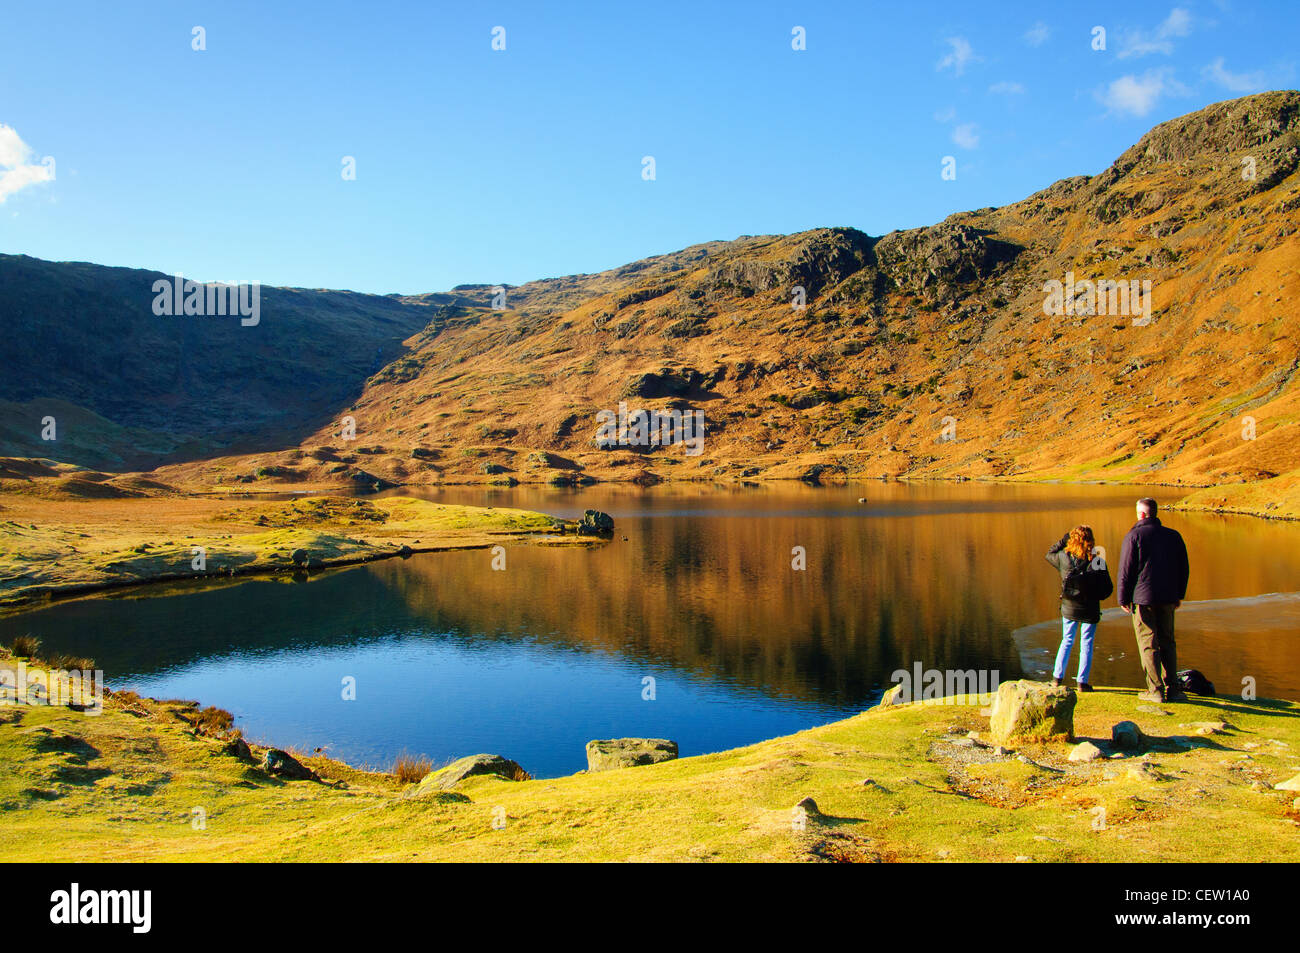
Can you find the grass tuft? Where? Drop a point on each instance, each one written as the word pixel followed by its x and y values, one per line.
pixel 409 769
pixel 25 646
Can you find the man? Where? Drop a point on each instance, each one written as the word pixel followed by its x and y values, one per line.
pixel 1152 584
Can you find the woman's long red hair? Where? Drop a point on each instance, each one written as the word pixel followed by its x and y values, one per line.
pixel 1081 542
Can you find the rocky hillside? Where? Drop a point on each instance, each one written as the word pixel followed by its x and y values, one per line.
pixel 128 388
pixel 925 352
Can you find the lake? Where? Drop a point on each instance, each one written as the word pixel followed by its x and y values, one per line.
pixel 696 592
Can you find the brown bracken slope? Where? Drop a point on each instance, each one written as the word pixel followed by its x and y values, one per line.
pixel 923 353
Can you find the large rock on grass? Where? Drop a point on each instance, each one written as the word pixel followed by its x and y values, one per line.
pixel 1032 711
pixel 474 765
pixel 628 752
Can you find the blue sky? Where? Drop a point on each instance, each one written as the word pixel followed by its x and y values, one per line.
pixel 121 144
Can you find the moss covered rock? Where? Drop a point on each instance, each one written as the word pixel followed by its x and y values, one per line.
pixel 1032 711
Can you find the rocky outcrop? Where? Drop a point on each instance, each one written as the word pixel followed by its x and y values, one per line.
pixel 933 262
pixel 1032 711
pixel 628 752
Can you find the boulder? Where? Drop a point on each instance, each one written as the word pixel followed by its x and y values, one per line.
pixel 281 764
pixel 1087 751
pixel 1291 785
pixel 474 765
pixel 628 752
pixel 1032 711
pixel 596 523
pixel 299 557
pixel 1127 736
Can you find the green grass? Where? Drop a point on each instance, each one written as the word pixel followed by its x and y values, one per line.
pixel 125 786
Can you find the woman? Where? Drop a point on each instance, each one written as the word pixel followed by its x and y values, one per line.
pixel 1079 613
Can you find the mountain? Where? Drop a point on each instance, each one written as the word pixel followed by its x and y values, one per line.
pixel 925 352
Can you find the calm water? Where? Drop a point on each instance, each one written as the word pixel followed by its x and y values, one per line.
pixel 451 658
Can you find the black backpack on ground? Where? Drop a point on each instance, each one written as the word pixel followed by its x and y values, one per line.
pixel 1193 682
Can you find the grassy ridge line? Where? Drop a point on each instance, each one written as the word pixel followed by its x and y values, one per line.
pixel 55 557
pixel 124 786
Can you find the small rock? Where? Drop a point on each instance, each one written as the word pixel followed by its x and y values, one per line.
pixel 963 743
pixel 973 735
pixel 1153 710
pixel 942 854
pixel 299 557
pixel 1127 735
pixel 1292 785
pixel 892 697
pixel 237 747
pixel 809 806
pixel 1145 771
pixel 284 765
pixel 1086 751
pixel 1206 727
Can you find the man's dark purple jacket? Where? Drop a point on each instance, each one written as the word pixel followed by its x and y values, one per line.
pixel 1152 566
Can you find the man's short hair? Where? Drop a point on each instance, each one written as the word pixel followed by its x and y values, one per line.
pixel 1147 505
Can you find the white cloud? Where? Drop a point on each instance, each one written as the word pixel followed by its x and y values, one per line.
pixel 1006 88
pixel 959 57
pixel 17 170
pixel 1236 82
pixel 1037 34
pixel 945 115
pixel 1138 95
pixel 1140 42
pixel 966 136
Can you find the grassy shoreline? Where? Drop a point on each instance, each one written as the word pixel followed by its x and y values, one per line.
pixel 902 783
pixel 150 541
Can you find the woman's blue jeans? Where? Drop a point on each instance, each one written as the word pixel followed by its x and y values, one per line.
pixel 1069 630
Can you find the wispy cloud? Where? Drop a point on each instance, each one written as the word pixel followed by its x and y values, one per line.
pixel 1216 72
pixel 17 168
pixel 1141 42
pixel 1037 34
pixel 959 56
pixel 1006 88
pixel 966 136
pixel 1137 95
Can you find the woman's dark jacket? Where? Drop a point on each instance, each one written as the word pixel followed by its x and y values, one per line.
pixel 1075 610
